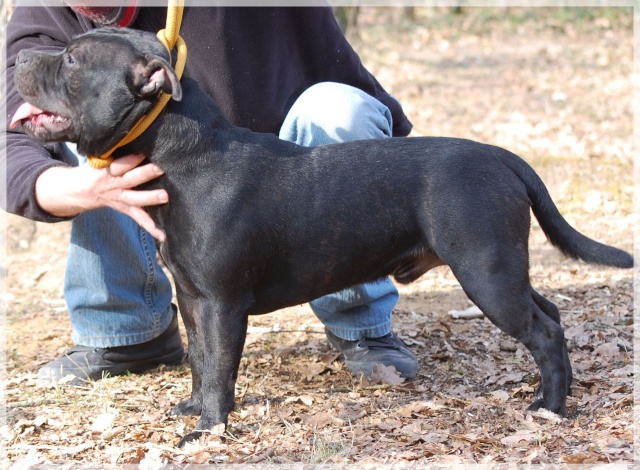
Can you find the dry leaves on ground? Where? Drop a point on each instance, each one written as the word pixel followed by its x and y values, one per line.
pixel 559 93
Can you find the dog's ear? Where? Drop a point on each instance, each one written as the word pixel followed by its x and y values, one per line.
pixel 152 74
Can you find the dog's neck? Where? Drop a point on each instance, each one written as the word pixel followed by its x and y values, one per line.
pixel 163 143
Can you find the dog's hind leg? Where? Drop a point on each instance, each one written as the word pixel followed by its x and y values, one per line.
pixel 552 311
pixel 497 281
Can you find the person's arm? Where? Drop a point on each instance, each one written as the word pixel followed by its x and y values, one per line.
pixel 42 188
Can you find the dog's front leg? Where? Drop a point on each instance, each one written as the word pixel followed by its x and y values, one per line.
pixel 191 313
pixel 224 329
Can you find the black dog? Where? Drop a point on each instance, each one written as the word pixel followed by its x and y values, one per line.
pixel 255 224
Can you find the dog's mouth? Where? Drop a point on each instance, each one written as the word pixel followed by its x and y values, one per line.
pixel 35 119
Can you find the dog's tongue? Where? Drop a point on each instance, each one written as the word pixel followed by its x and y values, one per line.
pixel 25 111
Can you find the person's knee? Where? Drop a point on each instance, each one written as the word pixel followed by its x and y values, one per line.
pixel 333 112
pixel 333 105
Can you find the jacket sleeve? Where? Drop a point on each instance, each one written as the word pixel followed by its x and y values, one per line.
pixel 44 28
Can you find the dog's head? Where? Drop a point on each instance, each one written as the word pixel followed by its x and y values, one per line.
pixel 93 91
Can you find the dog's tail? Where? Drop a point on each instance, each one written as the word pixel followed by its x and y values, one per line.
pixel 562 235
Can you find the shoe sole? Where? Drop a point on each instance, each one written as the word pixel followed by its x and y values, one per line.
pixel 117 369
pixel 366 368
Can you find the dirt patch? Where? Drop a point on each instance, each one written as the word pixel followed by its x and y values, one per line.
pixel 557 90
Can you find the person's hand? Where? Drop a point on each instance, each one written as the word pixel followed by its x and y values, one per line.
pixel 69 191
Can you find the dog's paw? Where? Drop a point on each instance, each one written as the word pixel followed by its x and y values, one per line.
pixel 540 405
pixel 217 431
pixel 537 393
pixel 189 407
pixel 191 437
pixel 536 405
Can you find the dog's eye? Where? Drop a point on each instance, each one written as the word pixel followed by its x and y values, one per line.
pixel 70 60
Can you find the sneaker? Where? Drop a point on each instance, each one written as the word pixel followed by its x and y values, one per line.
pixel 87 363
pixel 362 355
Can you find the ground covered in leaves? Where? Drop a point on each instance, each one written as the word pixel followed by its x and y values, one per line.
pixel 553 85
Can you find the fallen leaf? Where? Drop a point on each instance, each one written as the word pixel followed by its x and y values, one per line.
pixel 500 395
pixel 103 422
pixel 73 450
pixel 317 420
pixel 385 375
pixel 201 458
pixel 152 460
pixel 525 436
pixel 305 399
pixel 417 408
pixel 581 458
pixel 546 415
pixel 467 314
pixel 311 370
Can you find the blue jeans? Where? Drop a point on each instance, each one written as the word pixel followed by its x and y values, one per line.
pixel 118 295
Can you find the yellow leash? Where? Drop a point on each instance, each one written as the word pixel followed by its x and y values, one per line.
pixel 170 38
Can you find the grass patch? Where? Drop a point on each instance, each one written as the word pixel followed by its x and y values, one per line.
pixel 326 449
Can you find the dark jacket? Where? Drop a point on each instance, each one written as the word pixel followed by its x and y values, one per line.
pixel 254 62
